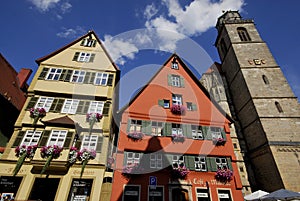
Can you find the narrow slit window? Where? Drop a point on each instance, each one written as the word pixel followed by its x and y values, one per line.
pixel 243 34
pixel 278 106
pixel 266 80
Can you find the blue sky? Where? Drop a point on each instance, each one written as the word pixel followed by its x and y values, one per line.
pixel 31 29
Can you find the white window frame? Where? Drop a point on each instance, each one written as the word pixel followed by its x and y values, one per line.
pixel 197 133
pixel 44 102
pixel 84 57
pixel 31 137
pixel 57 137
pixel 101 79
pixel 221 163
pixel 139 192
pixel 176 99
pixel 156 128
pixel 222 196
pixel 70 106
pixel 166 103
pixel 176 80
pixel 89 142
pixel 96 107
pixel 135 125
pixel 78 76
pixel 175 65
pixel 200 162
pixel 202 195
pixel 155 160
pixel 177 129
pixel 177 160
pixel 53 72
pixel 158 186
pixel 133 158
pixel 216 132
pixel 87 42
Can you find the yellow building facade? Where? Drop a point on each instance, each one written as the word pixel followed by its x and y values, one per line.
pixel 75 85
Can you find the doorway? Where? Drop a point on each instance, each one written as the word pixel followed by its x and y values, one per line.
pixel 180 194
pixel 44 189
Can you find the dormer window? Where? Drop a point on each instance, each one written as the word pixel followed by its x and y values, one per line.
pixel 174 64
pixel 88 42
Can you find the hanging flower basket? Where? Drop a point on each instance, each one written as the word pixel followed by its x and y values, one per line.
pixel 179 172
pixel 73 155
pixel 224 175
pixel 50 152
pixel 92 118
pixel 36 114
pixel 178 109
pixel 219 141
pixel 178 138
pixel 23 152
pixel 135 136
pixel 84 156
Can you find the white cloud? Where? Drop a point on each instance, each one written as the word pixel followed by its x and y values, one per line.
pixel 71 33
pixel 65 7
pixel 44 5
pixel 150 11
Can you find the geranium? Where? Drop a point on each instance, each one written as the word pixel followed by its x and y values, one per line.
pixel 135 135
pixel 179 172
pixel 23 152
pixel 36 114
pixel 178 138
pixel 85 155
pixel 73 155
pixel 92 118
pixel 50 152
pixel 178 109
pixel 224 175
pixel 219 141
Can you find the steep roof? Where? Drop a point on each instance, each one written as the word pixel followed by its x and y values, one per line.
pixel 89 33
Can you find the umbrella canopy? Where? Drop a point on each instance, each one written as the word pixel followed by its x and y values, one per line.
pixel 281 194
pixel 255 195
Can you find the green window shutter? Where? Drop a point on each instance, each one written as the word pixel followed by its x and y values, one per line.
pixel 18 139
pixel 91 81
pixel 181 82
pixel 68 140
pixel 43 74
pixel 145 161
pixel 161 103
pixel 94 43
pixel 190 162
pixel 223 133
pixel 75 58
pixel 86 107
pixel 80 107
pixel 78 142
pixel 167 130
pixel 125 158
pixel 106 107
pixel 169 80
pixel 92 58
pixel 99 144
pixel 187 130
pixel 44 138
pixel 194 107
pixel 146 127
pixel 62 75
pixel 83 107
pixel 211 164
pixel 110 80
pixel 167 159
pixel 59 105
pixel 68 75
pixel 206 132
pixel 52 108
pixel 32 102
pixel 229 163
pixel 128 125
pixel 87 77
pixel 82 42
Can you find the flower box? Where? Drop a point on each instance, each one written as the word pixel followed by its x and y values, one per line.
pixel 219 141
pixel 179 172
pixel 50 152
pixel 36 114
pixel 135 135
pixel 178 109
pixel 178 138
pixel 224 175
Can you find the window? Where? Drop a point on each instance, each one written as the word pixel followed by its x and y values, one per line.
pixel 57 137
pixel 44 102
pixel 88 42
pixel 197 132
pixel 133 158
pixel 89 142
pixel 221 163
pixel 174 65
pixel 135 126
pixel 156 194
pixel 175 80
pixel 278 106
pixel 176 99
pixel 265 79
pixel 54 74
pixel 224 195
pixel 78 76
pixel 200 164
pixel 131 193
pixel 80 189
pixel 191 106
pixel 166 103
pixel 156 128
pixel 70 106
pixel 31 137
pixel 83 57
pixel 216 132
pixel 101 79
pixel 243 34
pixel 202 194
pixel 156 161
pixel 176 129
pixel 96 107
pixel 177 161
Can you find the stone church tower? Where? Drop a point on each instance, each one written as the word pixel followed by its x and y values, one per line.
pixel 266 111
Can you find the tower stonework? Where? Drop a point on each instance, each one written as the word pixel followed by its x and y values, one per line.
pixel 265 108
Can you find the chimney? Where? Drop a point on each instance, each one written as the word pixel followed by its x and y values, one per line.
pixel 23 76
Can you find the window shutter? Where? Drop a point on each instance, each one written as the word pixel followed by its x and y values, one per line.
pixel 146 127
pixel 59 105
pixel 68 75
pixel 212 162
pixel 145 161
pixel 167 130
pixel 87 77
pixel 92 58
pixel 229 163
pixel 78 142
pixel 99 144
pixel 91 81
pixel 188 130
pixel 223 133
pixel 190 162
pixel 194 107
pixel 82 42
pixel 43 74
pixel 128 125
pixel 181 82
pixel 32 102
pixel 125 158
pixel 106 107
pixel 110 80
pixel 161 103
pixel 75 58
pixel 68 140
pixel 169 80
pixel 167 159
pixel 44 138
pixel 52 108
pixel 18 139
pixel 62 75
pixel 206 133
